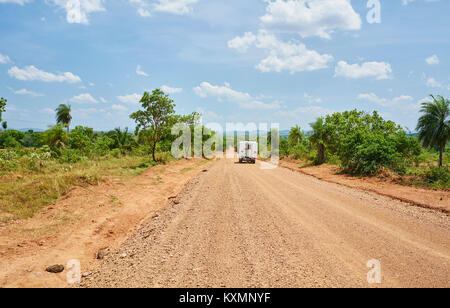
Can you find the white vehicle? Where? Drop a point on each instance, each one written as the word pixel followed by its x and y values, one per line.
pixel 247 151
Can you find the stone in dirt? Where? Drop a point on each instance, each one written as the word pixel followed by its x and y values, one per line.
pixel 55 269
pixel 100 254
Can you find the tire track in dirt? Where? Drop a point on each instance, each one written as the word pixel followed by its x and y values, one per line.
pixel 240 226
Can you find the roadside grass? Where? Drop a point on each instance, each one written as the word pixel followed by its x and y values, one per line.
pixel 424 172
pixel 26 192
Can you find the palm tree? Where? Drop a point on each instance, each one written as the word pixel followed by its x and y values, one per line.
pixel 318 138
pixel 63 115
pixel 5 125
pixel 295 135
pixel 434 124
pixel 123 140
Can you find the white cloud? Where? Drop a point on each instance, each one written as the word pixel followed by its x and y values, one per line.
pixel 304 114
pixel 78 10
pixel 311 17
pixel 48 110
pixel 177 7
pixel 433 83
pixel 140 72
pixel 84 98
pixel 311 99
pixel 27 92
pixel 376 70
pixel 143 12
pixel 4 59
pixel 225 93
pixel 242 44
pixel 433 60
pixel 208 114
pixel 402 102
pixel 102 99
pixel 170 90
pixel 406 2
pixel 31 73
pixel 425 100
pixel 20 2
pixel 119 108
pixel 132 99
pixel 282 56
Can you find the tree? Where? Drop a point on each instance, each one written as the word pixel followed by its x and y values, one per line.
pixel 158 109
pixel 55 137
pixel 319 138
pixel 5 125
pixel 3 102
pixel 122 139
pixel 295 135
pixel 63 115
pixel 434 124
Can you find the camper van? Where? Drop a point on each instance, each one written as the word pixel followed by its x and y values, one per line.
pixel 247 151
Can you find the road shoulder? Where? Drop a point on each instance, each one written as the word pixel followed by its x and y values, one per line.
pixel 438 200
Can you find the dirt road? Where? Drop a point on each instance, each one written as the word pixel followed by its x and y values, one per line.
pixel 240 226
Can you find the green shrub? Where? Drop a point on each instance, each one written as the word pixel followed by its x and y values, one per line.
pixel 366 143
pixel 71 156
pixel 11 143
pixel 81 138
pixel 103 145
pixel 11 139
pixel 439 177
pixel 115 153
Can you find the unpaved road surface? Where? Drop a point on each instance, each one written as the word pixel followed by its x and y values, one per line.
pixel 240 226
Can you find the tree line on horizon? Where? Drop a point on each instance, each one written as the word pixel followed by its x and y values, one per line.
pixel 359 142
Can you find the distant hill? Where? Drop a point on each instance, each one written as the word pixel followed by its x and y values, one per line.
pixel 24 130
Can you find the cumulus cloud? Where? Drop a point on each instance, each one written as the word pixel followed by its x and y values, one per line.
pixel 170 90
pixel 132 99
pixel 140 72
pixel 177 7
pixel 27 92
pixel 225 93
pixel 48 111
pixel 84 98
pixel 4 59
pixel 242 44
pixel 282 56
pixel 311 17
pixel 384 102
pixel 77 11
pixel 31 73
pixel 406 2
pixel 376 70
pixel 433 60
pixel 20 2
pixel 119 108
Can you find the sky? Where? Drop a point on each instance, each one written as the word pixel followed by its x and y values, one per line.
pixel 271 61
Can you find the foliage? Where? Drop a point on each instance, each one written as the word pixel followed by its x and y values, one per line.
pixel 81 138
pixel 295 136
pixel 11 139
pixel 439 177
pixel 121 140
pixel 3 102
pixel 63 115
pixel 55 137
pixel 319 138
pixel 434 124
pixel 365 143
pixel 158 109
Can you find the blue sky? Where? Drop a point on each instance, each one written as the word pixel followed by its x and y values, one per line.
pixel 283 61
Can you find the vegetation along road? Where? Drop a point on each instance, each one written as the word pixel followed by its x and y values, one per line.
pixel 241 226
